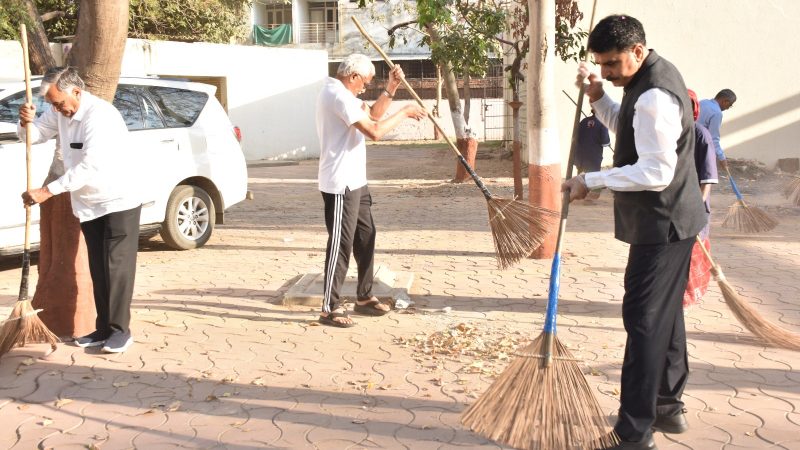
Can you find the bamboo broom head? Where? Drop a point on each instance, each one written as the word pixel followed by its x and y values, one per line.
pixel 518 228
pixel 748 219
pixel 792 190
pixel 530 406
pixel 25 327
pixel 749 317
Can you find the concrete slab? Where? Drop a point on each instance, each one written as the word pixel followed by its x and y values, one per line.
pixel 388 285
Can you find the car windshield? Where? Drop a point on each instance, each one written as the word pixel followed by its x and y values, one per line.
pixel 9 106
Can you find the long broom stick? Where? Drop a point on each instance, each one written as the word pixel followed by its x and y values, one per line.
pixel 747 315
pixel 746 218
pixel 518 228
pixel 24 325
pixel 542 400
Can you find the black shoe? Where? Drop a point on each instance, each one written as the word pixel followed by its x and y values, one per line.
pixel 646 444
pixel 118 342
pixel 676 424
pixel 94 339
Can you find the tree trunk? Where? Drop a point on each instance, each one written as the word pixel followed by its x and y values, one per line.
pixel 544 171
pixel 100 43
pixel 41 58
pixel 438 104
pixel 516 144
pixel 64 290
pixel 465 140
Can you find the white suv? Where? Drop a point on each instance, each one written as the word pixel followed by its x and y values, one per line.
pixel 194 166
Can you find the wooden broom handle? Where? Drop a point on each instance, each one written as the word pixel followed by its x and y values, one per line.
pixel 23 32
pixel 405 83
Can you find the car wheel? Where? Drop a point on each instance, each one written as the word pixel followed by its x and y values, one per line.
pixel 189 219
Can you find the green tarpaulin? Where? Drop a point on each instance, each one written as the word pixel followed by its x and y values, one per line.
pixel 280 35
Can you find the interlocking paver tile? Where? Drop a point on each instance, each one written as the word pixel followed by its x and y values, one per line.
pixel 220 363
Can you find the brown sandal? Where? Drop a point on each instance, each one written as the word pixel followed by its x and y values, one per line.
pixel 331 322
pixel 369 308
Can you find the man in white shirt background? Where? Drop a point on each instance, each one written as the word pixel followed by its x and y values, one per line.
pixel 658 210
pixel 98 175
pixel 343 121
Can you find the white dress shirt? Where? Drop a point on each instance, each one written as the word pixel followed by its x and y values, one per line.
pixel 100 175
pixel 656 129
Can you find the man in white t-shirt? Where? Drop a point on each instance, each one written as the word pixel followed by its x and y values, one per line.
pixel 343 120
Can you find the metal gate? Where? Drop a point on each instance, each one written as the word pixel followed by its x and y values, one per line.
pixel 495 119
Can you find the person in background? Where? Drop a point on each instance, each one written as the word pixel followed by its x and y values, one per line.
pixel 658 210
pixel 706 164
pixel 104 192
pixel 711 118
pixel 592 137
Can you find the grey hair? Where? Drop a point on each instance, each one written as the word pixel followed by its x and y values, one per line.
pixel 726 94
pixel 356 63
pixel 65 78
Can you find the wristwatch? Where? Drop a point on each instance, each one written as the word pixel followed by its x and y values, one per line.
pixel 386 93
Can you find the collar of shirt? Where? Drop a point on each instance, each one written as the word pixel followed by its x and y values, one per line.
pixel 86 99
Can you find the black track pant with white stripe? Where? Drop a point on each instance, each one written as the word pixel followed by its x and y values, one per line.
pixel 348 218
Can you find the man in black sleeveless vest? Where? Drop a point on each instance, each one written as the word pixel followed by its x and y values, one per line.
pixel 658 210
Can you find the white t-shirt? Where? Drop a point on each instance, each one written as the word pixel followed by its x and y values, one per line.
pixel 343 151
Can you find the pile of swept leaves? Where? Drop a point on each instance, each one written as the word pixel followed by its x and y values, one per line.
pixel 478 350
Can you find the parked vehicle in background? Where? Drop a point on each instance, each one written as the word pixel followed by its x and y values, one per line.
pixel 192 167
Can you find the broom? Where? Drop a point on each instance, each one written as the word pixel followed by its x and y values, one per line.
pixel 542 400
pixel 518 228
pixel 792 190
pixel 23 325
pixel 747 315
pixel 745 218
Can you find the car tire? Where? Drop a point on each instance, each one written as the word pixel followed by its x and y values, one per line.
pixel 189 219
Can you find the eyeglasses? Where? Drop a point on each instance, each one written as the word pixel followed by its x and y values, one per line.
pixel 364 80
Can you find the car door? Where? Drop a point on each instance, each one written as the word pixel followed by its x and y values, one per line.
pixel 13 175
pixel 156 149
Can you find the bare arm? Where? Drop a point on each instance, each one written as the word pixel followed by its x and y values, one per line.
pixel 385 98
pixel 376 129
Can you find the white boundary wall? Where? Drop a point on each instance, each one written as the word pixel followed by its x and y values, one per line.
pixel 271 92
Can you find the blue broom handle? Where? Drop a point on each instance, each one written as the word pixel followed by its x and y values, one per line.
pixel 733 185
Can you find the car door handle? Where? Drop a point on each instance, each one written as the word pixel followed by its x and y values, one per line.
pixel 167 141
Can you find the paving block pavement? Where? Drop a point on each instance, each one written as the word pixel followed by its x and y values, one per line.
pixel 221 363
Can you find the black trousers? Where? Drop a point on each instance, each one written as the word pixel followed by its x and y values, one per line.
pixel 112 242
pixel 348 218
pixel 655 368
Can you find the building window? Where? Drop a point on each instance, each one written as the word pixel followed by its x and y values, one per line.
pixel 277 14
pixel 323 24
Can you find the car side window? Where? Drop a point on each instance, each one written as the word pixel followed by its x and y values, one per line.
pixel 9 106
pixel 129 104
pixel 151 118
pixel 180 107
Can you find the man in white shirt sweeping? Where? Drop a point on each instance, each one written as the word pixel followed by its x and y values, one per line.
pixel 99 176
pixel 343 121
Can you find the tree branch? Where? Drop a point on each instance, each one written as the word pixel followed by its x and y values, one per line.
pixel 54 15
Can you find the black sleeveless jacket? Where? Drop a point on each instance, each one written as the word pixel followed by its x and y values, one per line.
pixel 646 217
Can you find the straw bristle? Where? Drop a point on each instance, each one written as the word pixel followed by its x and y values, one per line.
pixel 792 191
pixel 748 219
pixel 530 406
pixel 23 327
pixel 749 317
pixel 518 228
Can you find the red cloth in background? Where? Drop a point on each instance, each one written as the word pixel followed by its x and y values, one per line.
pixel 699 275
